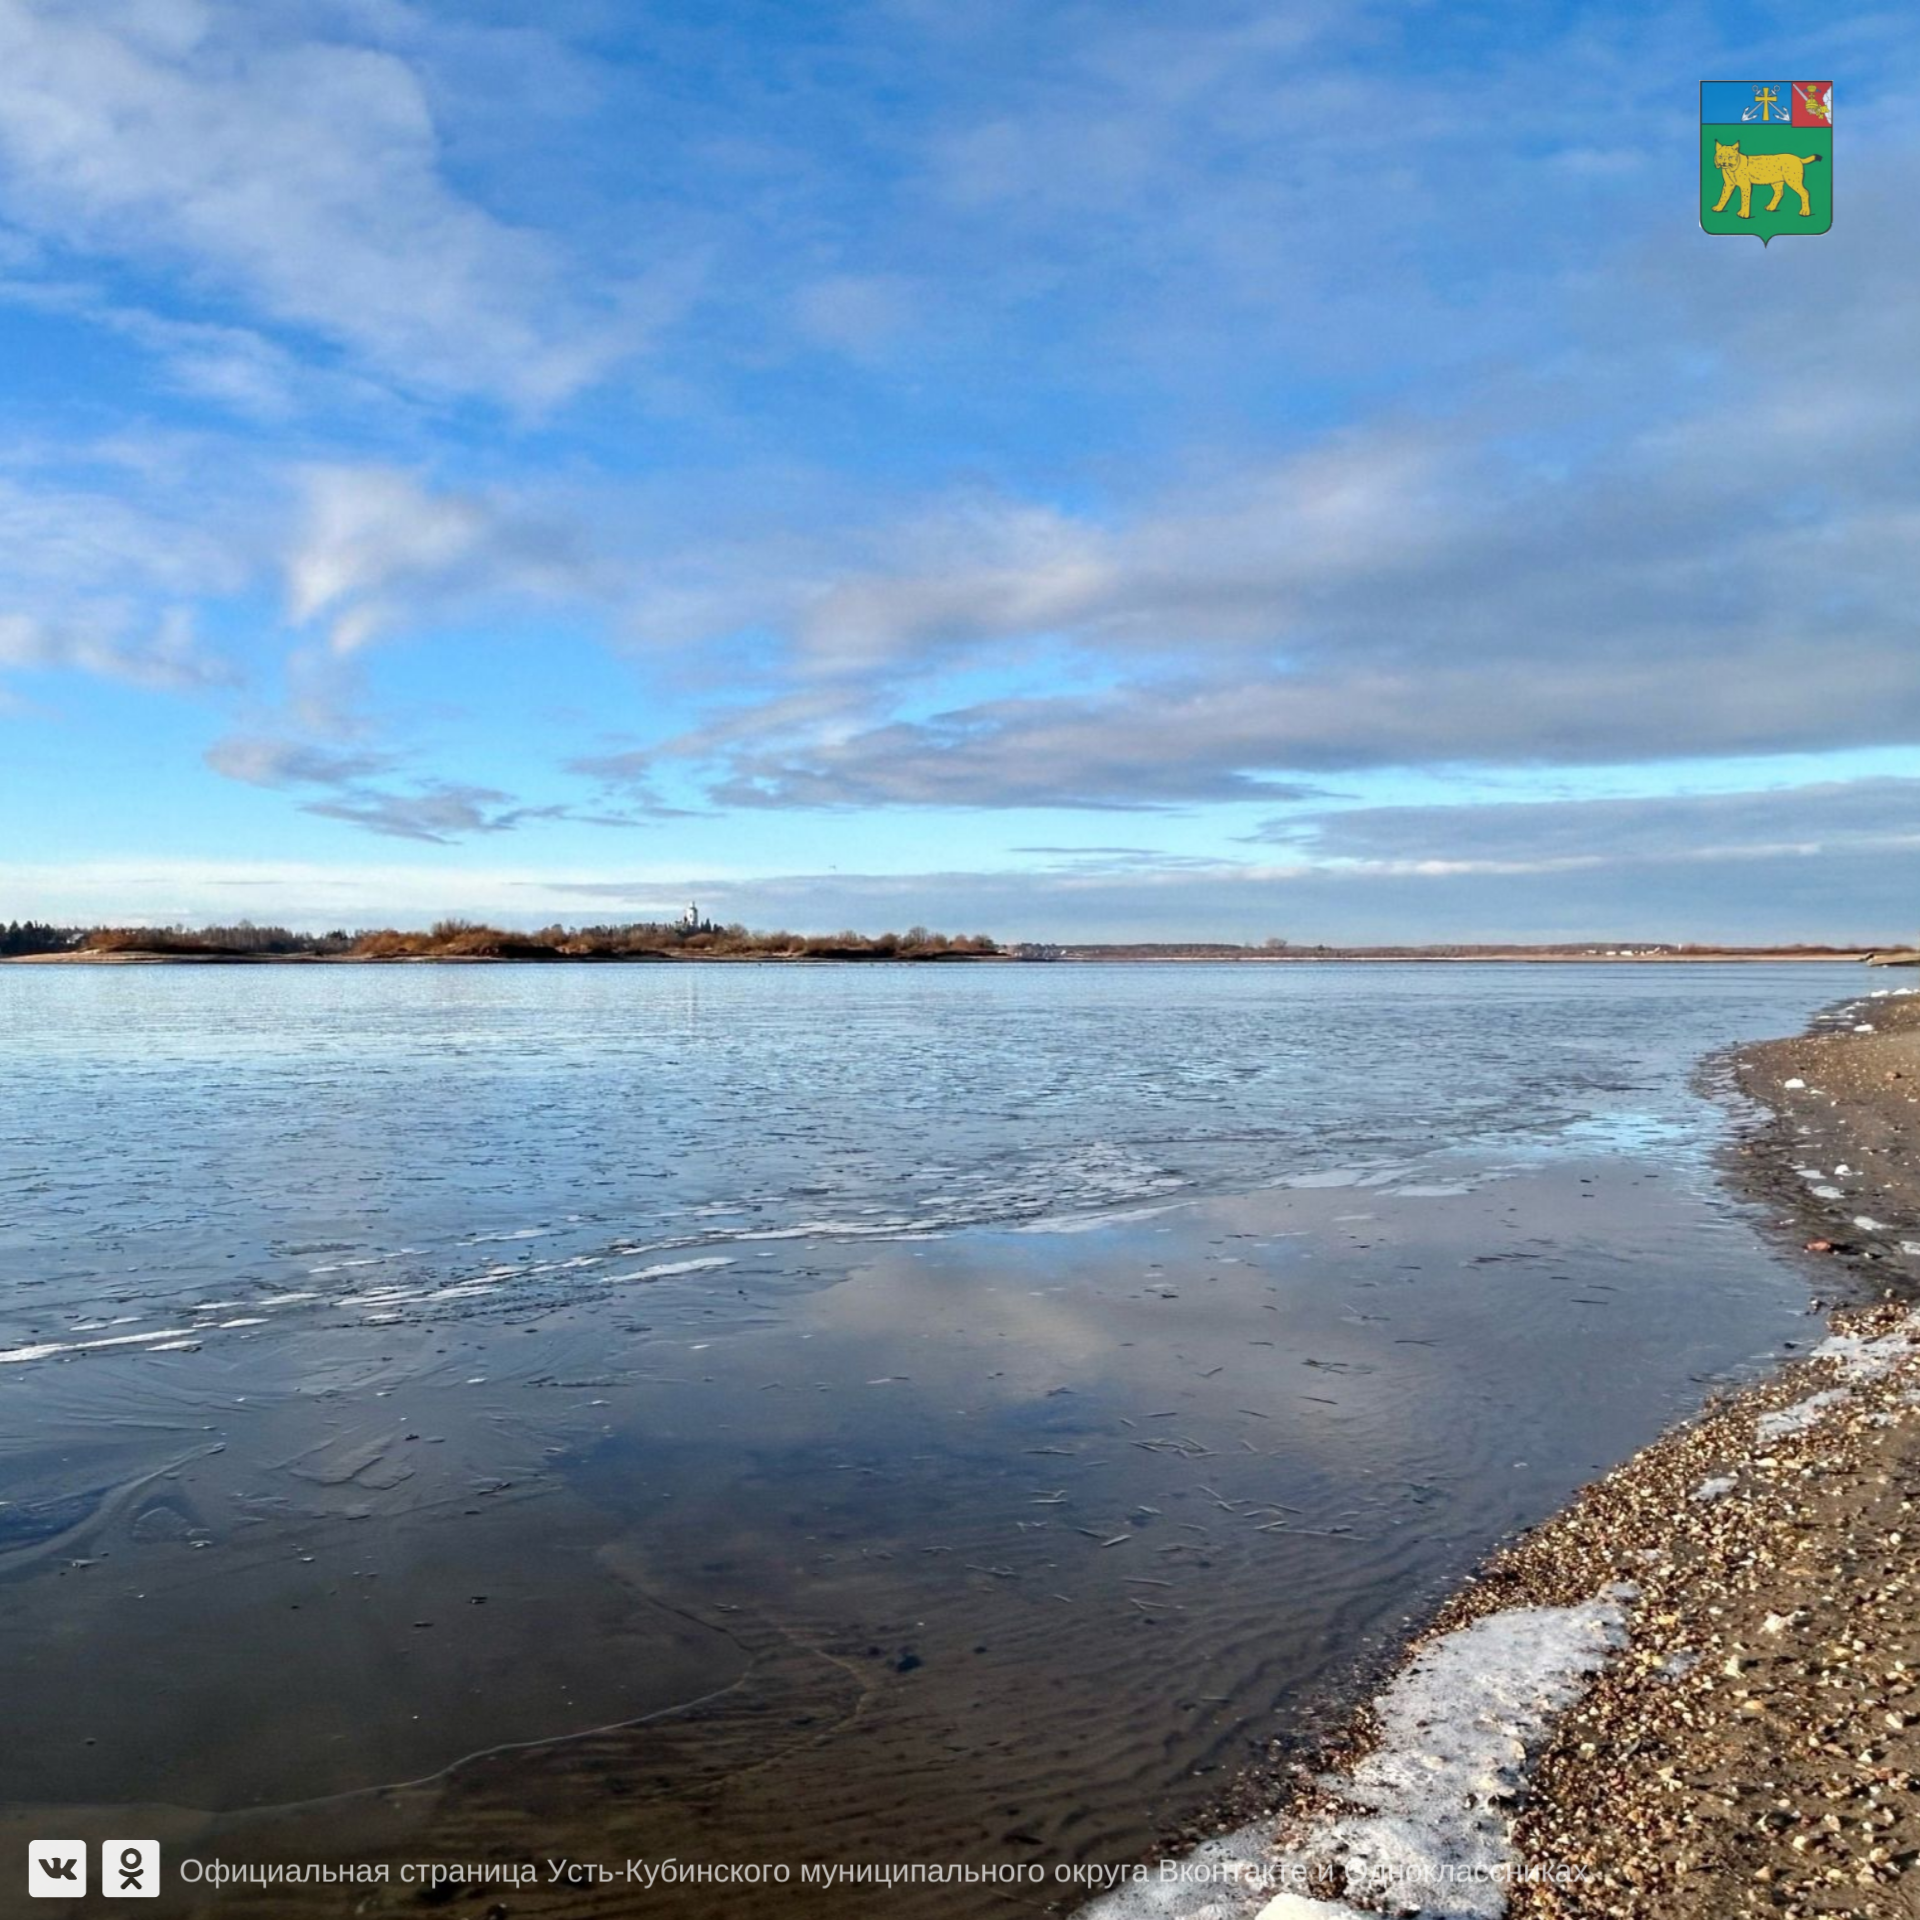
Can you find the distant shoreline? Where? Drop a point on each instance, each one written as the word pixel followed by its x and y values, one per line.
pixel 139 959
pixel 1479 956
pixel 1084 956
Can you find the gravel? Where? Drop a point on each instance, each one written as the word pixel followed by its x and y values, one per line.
pixel 1754 1747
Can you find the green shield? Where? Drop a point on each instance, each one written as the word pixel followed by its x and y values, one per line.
pixel 1723 149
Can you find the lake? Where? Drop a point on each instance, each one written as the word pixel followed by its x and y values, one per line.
pixel 780 1413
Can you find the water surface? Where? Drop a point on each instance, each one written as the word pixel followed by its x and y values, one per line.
pixel 787 1413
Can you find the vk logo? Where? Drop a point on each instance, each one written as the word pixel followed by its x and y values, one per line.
pixel 56 1869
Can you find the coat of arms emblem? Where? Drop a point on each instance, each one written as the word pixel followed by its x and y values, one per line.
pixel 1766 156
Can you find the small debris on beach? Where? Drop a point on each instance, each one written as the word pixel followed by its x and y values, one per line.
pixel 1741 1737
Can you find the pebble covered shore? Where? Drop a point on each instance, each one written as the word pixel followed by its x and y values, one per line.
pixel 1753 1747
pixel 1756 1748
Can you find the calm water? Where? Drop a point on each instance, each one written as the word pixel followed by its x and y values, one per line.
pixel 1014 1397
pixel 186 1135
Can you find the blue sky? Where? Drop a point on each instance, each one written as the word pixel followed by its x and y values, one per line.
pixel 1105 470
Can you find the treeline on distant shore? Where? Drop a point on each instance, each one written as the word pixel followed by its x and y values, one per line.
pixel 473 940
pixel 35 936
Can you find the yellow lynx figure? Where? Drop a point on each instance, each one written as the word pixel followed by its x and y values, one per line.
pixel 1749 170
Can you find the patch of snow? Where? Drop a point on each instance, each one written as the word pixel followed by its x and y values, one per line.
pixel 1457 1726
pixel 1717 1488
pixel 1800 1416
pixel 1430 1821
pixel 1862 1359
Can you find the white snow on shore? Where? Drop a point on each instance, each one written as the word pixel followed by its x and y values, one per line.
pixel 1798 1417
pixel 1429 1821
pixel 1858 1358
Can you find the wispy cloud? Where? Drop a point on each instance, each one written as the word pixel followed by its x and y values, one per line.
pixel 340 786
pixel 1821 820
pixel 438 813
pixel 379 549
pixel 374 789
pixel 628 779
pixel 261 761
pixel 96 582
pixel 1552 575
pixel 305 176
pixel 114 646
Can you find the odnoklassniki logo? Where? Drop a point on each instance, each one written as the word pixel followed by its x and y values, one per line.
pixel 1766 156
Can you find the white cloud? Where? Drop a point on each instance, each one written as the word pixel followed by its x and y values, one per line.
pixel 1630 550
pixel 1235 562
pixel 338 783
pixel 262 760
pixel 98 583
pixel 370 534
pixel 1814 820
pixel 59 537
pixel 344 783
pixel 167 656
pixel 439 812
pixel 305 176
pixel 238 368
pixel 379 549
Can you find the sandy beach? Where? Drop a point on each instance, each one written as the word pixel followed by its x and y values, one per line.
pixel 1693 1691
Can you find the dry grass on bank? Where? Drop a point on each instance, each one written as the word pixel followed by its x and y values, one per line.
pixel 468 940
pixel 475 940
